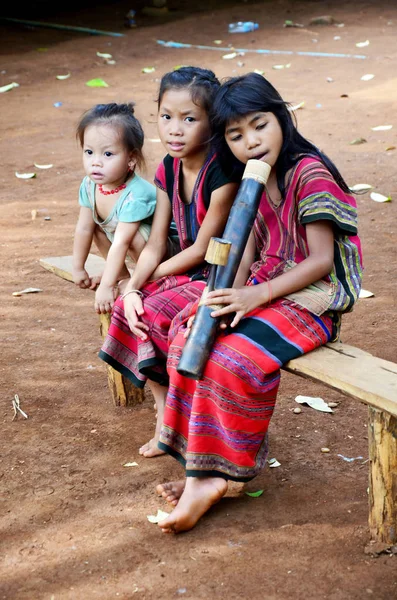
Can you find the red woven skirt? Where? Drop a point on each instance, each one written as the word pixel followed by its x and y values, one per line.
pixel 218 426
pixel 139 360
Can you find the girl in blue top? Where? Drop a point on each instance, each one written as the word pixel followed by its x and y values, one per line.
pixel 116 205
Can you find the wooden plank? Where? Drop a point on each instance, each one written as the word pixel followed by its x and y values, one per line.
pixel 123 392
pixel 382 438
pixel 353 372
pixel 62 265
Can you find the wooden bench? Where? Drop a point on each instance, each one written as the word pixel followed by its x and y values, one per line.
pixel 347 369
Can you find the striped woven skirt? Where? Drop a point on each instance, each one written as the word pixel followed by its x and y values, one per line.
pixel 217 426
pixel 139 360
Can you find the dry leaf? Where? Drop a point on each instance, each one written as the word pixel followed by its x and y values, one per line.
pixel 360 187
pixel 131 464
pixel 365 294
pixel 34 214
pixel 229 56
pixel 367 77
pixel 161 515
pixel 62 77
pixel 104 55
pixel 382 127
pixel 27 291
pixel 390 148
pixel 25 175
pixel 316 403
pixel 148 70
pixel 362 44
pixel 43 166
pixel 296 106
pixel 8 87
pixel 358 141
pixel 278 67
pixel 273 463
pixel 218 42
pixel 380 197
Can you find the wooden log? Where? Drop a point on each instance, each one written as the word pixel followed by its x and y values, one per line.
pixel 382 438
pixel 123 391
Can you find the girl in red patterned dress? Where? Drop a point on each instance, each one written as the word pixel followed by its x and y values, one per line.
pixel 306 271
pixel 193 191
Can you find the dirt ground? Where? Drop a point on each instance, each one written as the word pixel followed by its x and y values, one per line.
pixel 73 522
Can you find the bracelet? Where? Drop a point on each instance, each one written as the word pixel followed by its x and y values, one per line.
pixel 132 292
pixel 269 287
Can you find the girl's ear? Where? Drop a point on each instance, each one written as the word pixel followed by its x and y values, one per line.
pixel 132 162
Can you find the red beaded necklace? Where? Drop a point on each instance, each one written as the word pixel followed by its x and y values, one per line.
pixel 115 191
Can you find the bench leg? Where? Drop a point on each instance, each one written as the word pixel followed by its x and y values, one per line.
pixel 123 391
pixel 382 437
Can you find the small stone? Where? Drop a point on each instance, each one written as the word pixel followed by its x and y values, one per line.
pixel 297 410
pixel 325 450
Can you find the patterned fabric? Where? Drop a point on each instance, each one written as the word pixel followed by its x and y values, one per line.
pixel 137 202
pixel 218 426
pixel 165 298
pixel 312 195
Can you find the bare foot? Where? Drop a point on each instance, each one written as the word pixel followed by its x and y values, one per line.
pixel 199 495
pixel 150 449
pixel 171 491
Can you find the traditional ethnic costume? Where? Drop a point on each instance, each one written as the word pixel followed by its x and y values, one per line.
pixel 218 426
pixel 165 298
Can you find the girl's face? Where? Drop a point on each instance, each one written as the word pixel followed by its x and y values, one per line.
pixel 183 126
pixel 256 135
pixel 106 160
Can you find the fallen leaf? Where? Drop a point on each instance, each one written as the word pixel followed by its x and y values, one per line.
pixel 380 197
pixel 259 72
pixel 325 450
pixel 362 44
pixel 61 77
pixel 316 403
pixel 34 214
pixel 25 175
pixel 358 141
pixel 98 82
pixel 360 187
pixel 273 462
pixel 43 166
pixel 131 464
pixel 390 148
pixel 148 69
pixel 159 517
pixel 296 106
pixel 8 87
pixel 27 291
pixel 110 62
pixel 365 294
pixel 229 56
pixel 289 23
pixel 218 42
pixel 104 55
pixel 254 494
pixel 382 127
pixel 367 77
pixel 278 67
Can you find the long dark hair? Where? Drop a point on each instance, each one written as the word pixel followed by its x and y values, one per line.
pixel 240 96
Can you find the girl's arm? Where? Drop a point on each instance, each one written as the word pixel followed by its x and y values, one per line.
pixel 83 236
pixel 320 241
pixel 149 259
pixel 115 262
pixel 212 226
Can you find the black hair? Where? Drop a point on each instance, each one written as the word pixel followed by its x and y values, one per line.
pixel 202 84
pixel 119 115
pixel 239 96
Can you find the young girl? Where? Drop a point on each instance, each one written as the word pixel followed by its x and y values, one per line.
pixel 116 205
pixel 307 273
pixel 192 190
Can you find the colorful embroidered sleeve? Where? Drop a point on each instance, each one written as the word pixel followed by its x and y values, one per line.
pixel 160 178
pixel 320 198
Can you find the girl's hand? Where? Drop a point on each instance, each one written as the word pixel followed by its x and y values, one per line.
pixel 133 309
pixel 239 300
pixel 104 299
pixel 81 278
